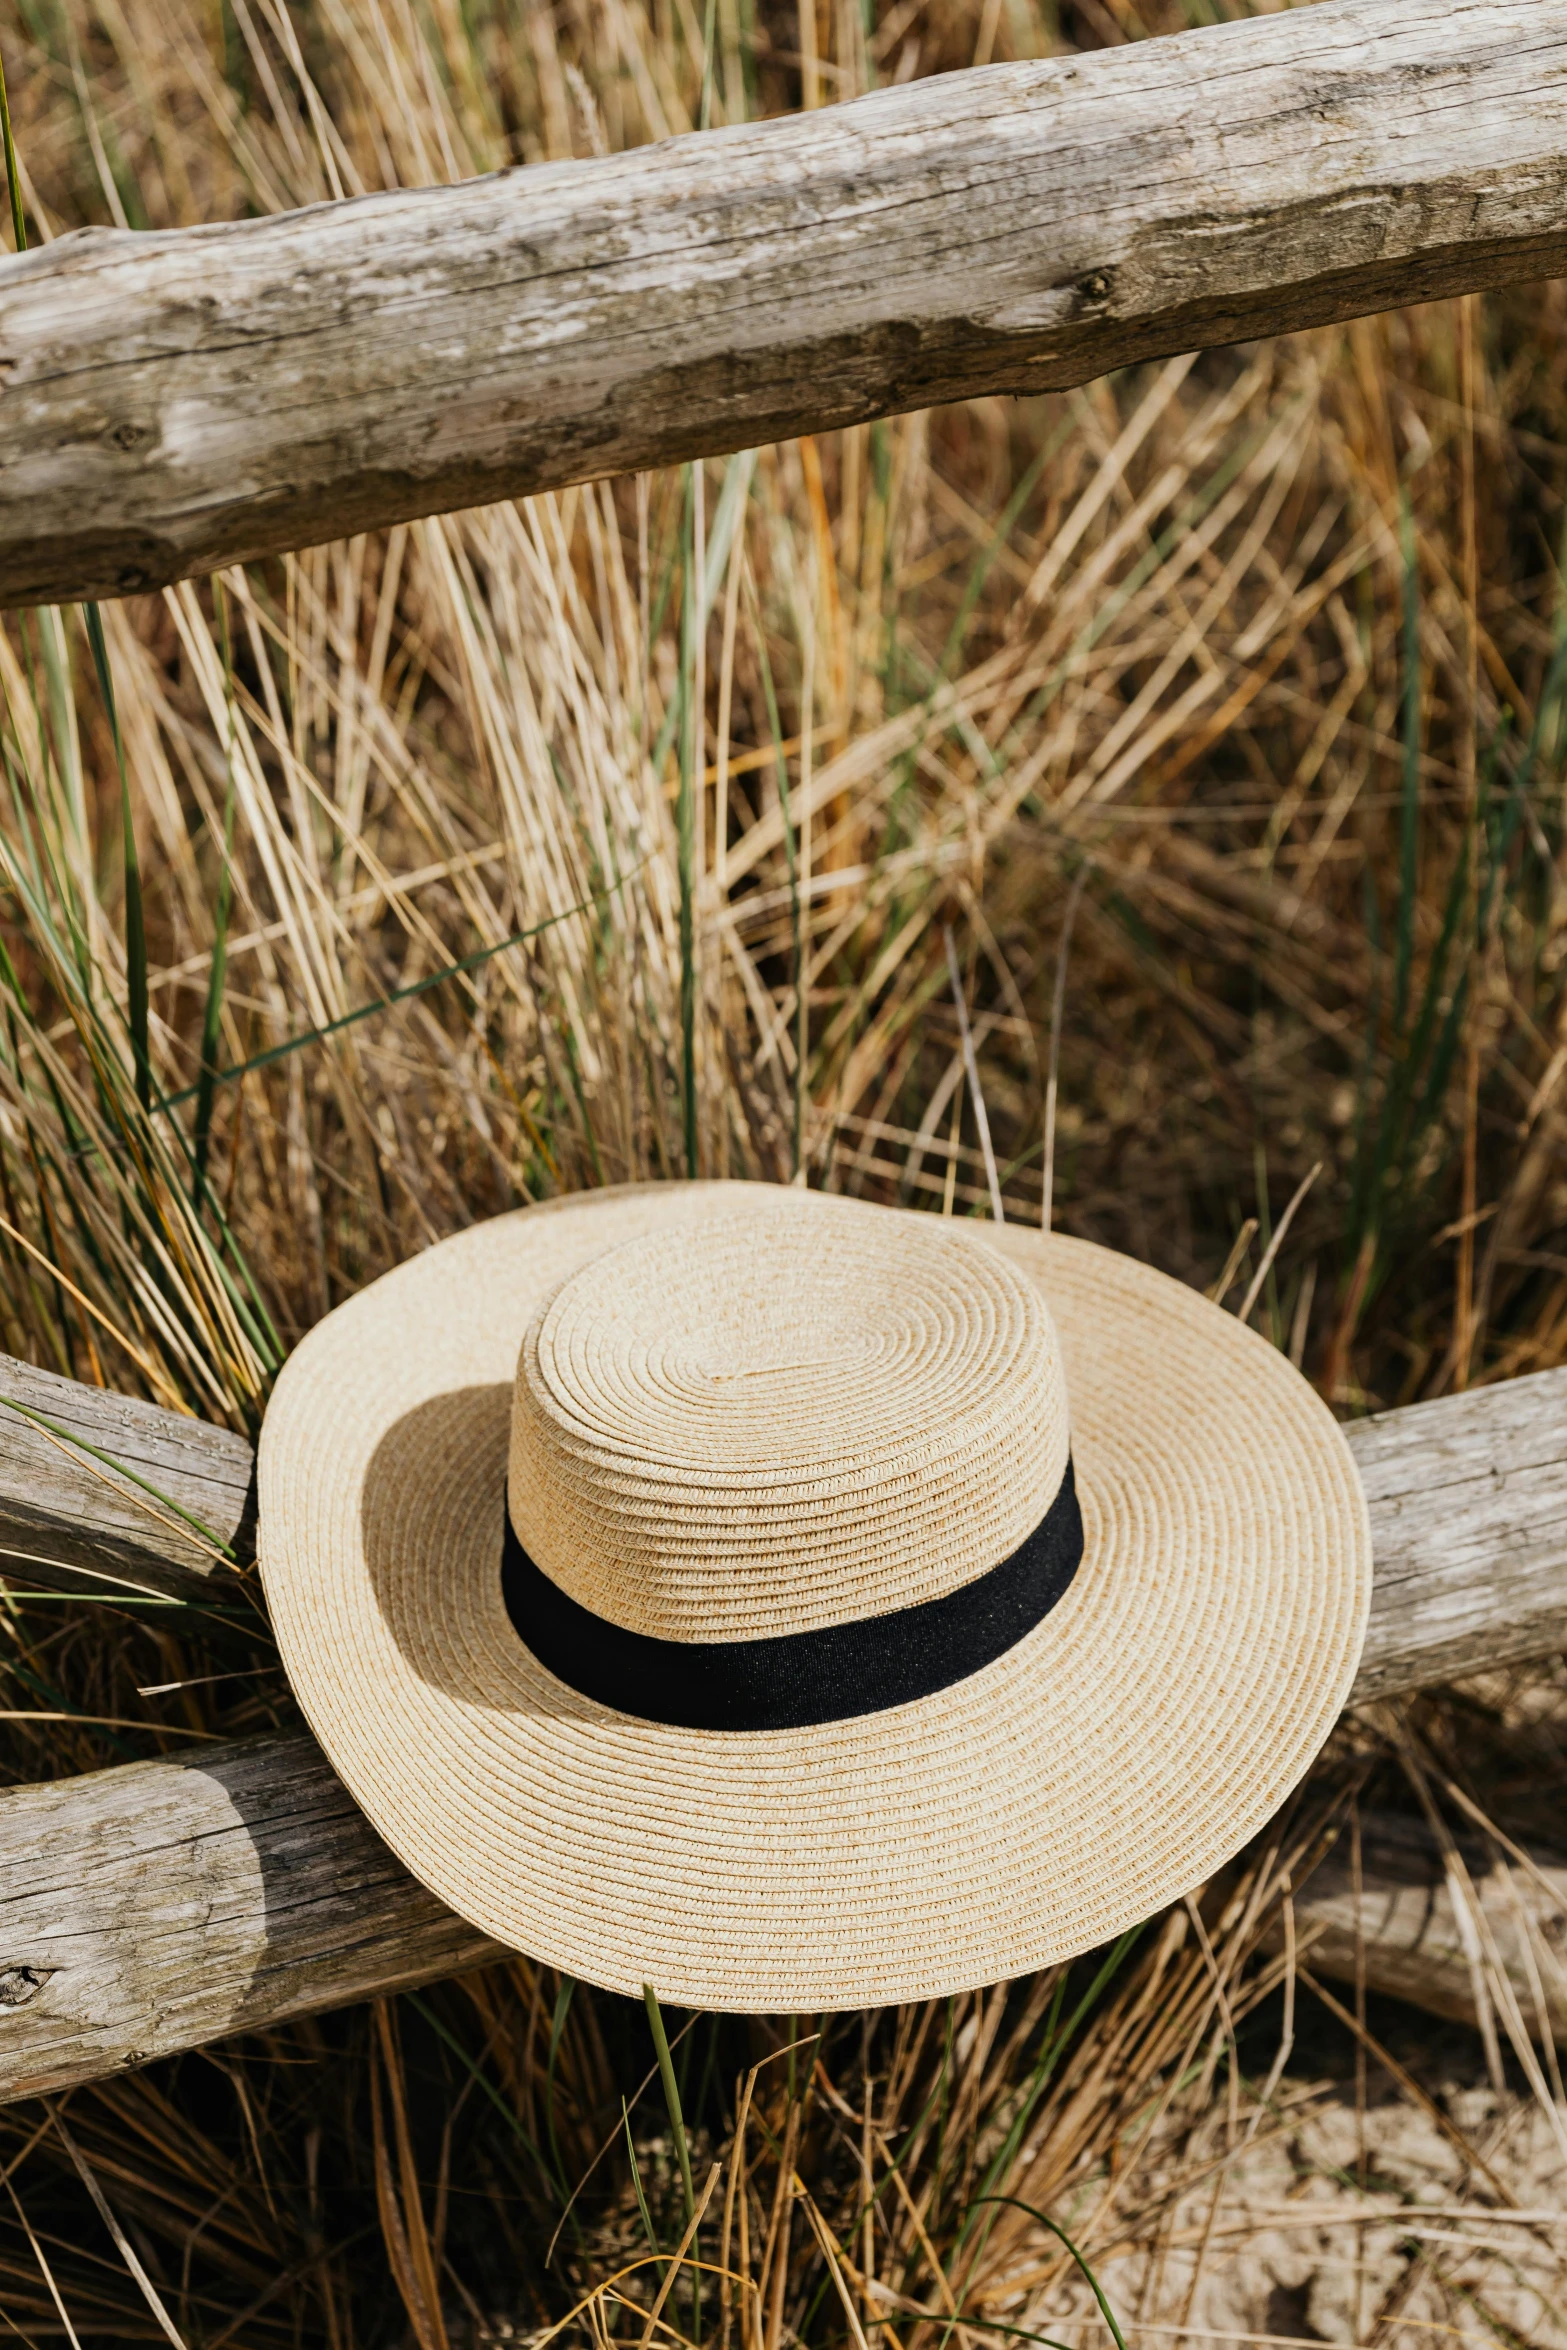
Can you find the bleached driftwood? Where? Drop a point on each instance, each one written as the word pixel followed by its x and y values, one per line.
pixel 1418 1942
pixel 183 400
pixel 158 1905
pixel 1468 1500
pixel 153 1906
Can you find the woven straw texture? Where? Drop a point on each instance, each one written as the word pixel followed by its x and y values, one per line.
pixel 791 1414
pixel 1108 1763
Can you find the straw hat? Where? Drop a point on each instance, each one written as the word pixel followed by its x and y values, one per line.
pixel 798 1604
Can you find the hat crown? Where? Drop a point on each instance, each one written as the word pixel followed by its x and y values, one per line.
pixel 782 1419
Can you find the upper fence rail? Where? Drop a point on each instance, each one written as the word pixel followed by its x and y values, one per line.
pixel 198 397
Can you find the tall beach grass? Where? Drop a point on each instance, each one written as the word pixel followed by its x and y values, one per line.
pixel 621 835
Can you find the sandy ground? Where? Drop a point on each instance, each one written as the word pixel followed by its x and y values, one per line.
pixel 1282 2244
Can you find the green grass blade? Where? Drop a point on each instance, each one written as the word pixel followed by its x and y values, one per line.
pixel 705 113
pixel 1055 2037
pixel 481 2080
pixel 1409 812
pixel 563 1998
pixel 1045 2221
pixel 67 1436
pixel 727 519
pixel 677 2123
pixel 66 812
pixel 666 2073
pixel 636 2180
pixel 135 915
pixel 1364 1206
pixel 1523 777
pixel 13 178
pixel 384 1003
pixel 796 912
pixel 212 1012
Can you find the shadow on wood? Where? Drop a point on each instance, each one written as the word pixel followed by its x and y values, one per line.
pixel 1404 1921
pixel 157 1905
pixel 151 1907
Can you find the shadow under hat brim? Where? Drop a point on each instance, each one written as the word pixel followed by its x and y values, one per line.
pixel 1149 1725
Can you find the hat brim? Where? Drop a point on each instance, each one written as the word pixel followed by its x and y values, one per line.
pixel 1149 1725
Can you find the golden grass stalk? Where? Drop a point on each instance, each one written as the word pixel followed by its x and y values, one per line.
pixel 583 841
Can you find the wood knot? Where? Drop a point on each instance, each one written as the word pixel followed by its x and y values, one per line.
pixel 1095 287
pixel 18 1984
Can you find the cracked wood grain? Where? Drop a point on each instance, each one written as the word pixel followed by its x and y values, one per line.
pixel 1468 1499
pixel 158 1905
pixel 72 1519
pixel 154 1906
pixel 187 399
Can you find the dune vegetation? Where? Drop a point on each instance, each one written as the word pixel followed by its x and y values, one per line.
pixel 1198 739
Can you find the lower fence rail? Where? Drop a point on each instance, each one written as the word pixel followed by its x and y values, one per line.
pixel 158 1905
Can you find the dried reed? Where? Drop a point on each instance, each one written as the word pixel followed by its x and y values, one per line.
pixel 618 833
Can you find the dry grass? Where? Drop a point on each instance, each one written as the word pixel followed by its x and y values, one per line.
pixel 1263 651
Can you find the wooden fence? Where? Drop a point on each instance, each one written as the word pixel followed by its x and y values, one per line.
pixel 149 1907
pixel 179 401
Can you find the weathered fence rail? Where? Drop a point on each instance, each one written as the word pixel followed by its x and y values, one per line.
pixel 153 1906
pixel 179 401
